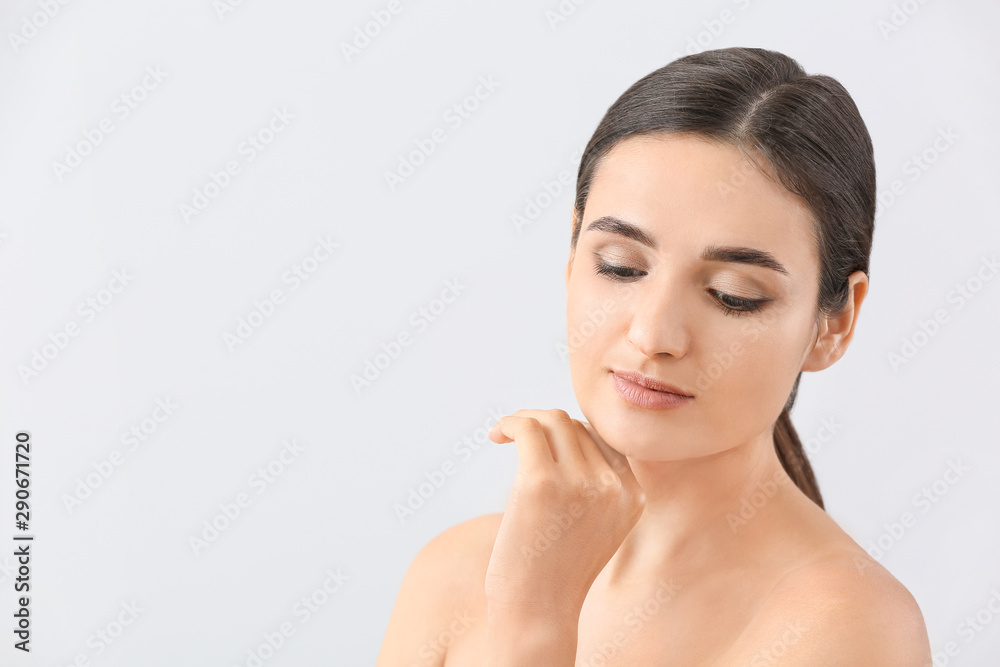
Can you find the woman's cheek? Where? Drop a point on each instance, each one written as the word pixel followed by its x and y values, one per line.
pixel 590 315
pixel 731 362
pixel 579 338
pixel 763 367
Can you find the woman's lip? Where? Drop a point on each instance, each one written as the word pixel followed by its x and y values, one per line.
pixel 644 397
pixel 649 383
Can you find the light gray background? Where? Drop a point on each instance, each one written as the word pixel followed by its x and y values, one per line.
pixel 494 347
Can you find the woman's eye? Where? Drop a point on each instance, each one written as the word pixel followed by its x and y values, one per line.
pixel 734 305
pixel 614 272
pixel 730 305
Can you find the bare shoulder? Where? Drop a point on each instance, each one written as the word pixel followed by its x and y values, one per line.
pixel 840 608
pixel 460 555
pixel 442 592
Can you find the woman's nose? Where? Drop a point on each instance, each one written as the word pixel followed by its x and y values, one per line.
pixel 658 321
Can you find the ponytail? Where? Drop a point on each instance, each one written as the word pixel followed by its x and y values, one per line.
pixel 790 453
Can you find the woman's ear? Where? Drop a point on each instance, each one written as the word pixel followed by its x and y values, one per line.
pixel 836 331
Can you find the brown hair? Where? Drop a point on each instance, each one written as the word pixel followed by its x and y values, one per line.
pixel 810 135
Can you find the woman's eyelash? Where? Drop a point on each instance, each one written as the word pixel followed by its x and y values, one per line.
pixel 730 305
pixel 733 305
pixel 617 272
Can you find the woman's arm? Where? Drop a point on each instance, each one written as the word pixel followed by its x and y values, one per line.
pixel 441 589
pixel 573 502
pixel 518 641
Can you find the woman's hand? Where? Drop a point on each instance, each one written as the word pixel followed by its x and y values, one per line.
pixel 573 502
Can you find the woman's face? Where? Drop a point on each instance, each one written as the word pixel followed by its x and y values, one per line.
pixel 667 317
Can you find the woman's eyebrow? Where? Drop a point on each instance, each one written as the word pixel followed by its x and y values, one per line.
pixel 613 225
pixel 712 253
pixel 743 255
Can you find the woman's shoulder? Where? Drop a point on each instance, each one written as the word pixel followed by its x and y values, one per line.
pixel 455 560
pixel 466 547
pixel 840 603
pixel 455 563
pixel 470 540
pixel 442 593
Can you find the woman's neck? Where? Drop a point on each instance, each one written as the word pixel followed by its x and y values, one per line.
pixel 717 511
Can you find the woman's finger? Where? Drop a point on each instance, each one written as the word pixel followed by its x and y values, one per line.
pixel 528 436
pixel 562 435
pixel 593 445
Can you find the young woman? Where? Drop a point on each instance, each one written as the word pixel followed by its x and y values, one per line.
pixel 721 236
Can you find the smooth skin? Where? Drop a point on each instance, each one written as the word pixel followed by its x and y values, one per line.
pixel 667 537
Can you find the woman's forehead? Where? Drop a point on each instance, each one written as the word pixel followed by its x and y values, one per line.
pixel 671 178
pixel 683 189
